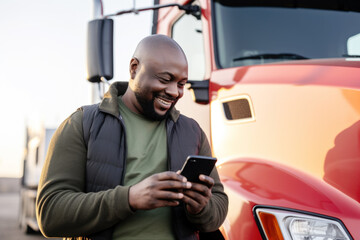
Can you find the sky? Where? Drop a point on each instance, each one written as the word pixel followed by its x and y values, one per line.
pixel 43 64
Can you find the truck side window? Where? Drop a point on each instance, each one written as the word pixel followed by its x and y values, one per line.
pixel 353 44
pixel 187 31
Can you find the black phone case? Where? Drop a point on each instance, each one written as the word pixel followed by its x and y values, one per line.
pixel 196 165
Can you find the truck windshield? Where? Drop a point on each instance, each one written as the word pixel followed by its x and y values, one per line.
pixel 256 35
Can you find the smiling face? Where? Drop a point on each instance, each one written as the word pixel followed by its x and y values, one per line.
pixel 158 75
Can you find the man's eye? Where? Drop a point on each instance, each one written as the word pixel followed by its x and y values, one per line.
pixel 164 79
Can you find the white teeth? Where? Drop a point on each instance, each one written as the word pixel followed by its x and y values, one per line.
pixel 164 102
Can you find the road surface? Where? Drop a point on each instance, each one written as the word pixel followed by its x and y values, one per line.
pixel 9 228
pixel 9 209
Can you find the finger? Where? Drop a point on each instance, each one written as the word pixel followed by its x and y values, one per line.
pixel 192 202
pixel 199 197
pixel 170 176
pixel 193 206
pixel 195 200
pixel 165 203
pixel 208 181
pixel 193 195
pixel 168 195
pixel 172 185
pixel 201 189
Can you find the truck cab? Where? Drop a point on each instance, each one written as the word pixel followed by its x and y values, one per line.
pixel 276 87
pixel 36 145
pixel 283 111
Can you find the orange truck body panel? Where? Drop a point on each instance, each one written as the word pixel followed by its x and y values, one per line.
pixel 300 148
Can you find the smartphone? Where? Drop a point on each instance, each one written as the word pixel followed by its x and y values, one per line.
pixel 196 165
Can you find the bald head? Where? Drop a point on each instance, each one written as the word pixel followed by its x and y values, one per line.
pixel 158 73
pixel 156 46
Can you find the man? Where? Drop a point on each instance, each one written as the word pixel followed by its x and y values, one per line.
pixel 111 169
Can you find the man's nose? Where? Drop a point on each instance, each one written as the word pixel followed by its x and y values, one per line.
pixel 172 90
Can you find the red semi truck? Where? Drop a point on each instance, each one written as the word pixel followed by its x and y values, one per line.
pixel 276 86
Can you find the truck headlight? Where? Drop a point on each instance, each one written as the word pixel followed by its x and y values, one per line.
pixel 285 224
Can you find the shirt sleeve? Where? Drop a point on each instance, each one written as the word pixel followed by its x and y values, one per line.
pixel 214 213
pixel 63 207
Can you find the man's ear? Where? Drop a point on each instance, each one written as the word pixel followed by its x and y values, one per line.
pixel 133 67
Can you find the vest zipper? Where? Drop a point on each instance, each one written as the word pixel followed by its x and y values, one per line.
pixel 169 127
pixel 125 149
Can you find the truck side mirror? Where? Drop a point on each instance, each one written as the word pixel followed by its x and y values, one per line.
pixel 200 91
pixel 100 50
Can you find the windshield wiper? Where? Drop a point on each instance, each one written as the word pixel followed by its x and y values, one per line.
pixel 285 56
pixel 351 56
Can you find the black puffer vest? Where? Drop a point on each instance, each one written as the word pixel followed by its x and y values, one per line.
pixel 104 134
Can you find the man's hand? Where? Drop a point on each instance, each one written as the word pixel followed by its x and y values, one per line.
pixel 198 196
pixel 158 190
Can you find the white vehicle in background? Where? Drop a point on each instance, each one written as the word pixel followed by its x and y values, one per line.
pixel 36 145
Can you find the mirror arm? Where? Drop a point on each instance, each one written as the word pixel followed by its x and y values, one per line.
pixel 189 9
pixel 101 87
pixel 104 80
pixel 97 9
